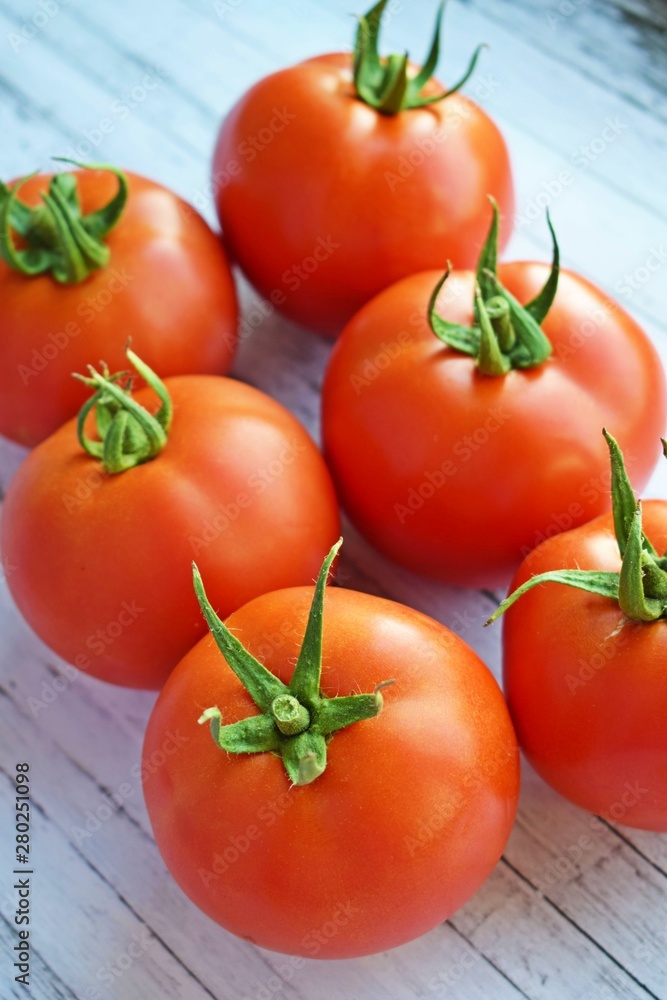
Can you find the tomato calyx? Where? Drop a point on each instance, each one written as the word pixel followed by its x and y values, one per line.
pixel 506 334
pixel 386 84
pixel 59 239
pixel 129 434
pixel 640 589
pixel 295 720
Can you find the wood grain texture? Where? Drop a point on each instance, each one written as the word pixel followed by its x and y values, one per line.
pixel 577 909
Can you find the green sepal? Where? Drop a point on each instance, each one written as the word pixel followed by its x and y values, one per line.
pixel 256 734
pixel 305 683
pixel 487 262
pixel 640 589
pixel 462 338
pixel 519 341
pixel 60 240
pixel 601 583
pixel 337 713
pixel 129 434
pixel 262 686
pixel 386 84
pixel 305 757
pixel 543 301
pixel 299 731
pixel 624 505
pixel 633 596
pixel 490 358
pixel 531 346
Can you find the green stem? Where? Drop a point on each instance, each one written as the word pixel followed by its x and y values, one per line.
pixel 60 240
pixel 490 358
pixel 296 720
pixel 498 312
pixel 386 84
pixel 129 434
pixel 640 589
pixel 517 340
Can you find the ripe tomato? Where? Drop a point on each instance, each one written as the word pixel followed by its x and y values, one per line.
pixel 167 285
pixel 396 828
pixel 585 682
pixel 350 186
pixel 456 474
pixel 99 563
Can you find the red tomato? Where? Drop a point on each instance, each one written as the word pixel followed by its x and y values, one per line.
pixel 324 200
pixel 167 286
pixel 99 564
pixel 458 475
pixel 409 817
pixel 586 685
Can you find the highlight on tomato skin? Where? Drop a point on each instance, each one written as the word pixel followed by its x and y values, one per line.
pixel 102 519
pixel 355 176
pixel 140 264
pixel 342 846
pixel 461 413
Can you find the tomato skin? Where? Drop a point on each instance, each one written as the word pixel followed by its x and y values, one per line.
pixel 100 566
pixel 415 805
pixel 587 687
pixel 168 287
pixel 456 475
pixel 348 200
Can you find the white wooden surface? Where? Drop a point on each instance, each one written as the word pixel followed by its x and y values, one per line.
pixel 577 908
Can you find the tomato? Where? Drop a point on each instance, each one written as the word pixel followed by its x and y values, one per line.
pixel 99 562
pixel 457 474
pixel 167 286
pixel 326 196
pixel 397 826
pixel 586 682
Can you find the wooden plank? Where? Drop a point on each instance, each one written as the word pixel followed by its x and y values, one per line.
pixel 587 36
pixel 580 864
pixel 600 247
pixel 518 940
pixel 558 962
pixel 118 848
pixel 107 951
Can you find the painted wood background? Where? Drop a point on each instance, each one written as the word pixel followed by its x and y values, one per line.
pixel 577 908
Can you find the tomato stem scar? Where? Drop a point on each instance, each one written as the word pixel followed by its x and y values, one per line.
pixel 296 720
pixel 59 239
pixel 129 434
pixel 506 334
pixel 386 84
